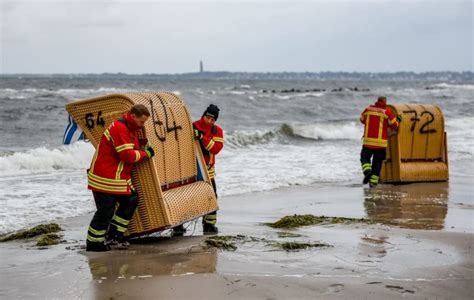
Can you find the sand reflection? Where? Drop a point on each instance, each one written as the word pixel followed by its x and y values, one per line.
pixel 143 261
pixel 414 206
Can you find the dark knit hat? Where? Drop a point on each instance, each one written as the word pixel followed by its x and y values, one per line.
pixel 212 111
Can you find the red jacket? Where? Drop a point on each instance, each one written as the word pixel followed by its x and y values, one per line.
pixel 211 143
pixel 377 118
pixel 114 158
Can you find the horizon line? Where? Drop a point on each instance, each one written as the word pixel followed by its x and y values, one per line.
pixel 240 72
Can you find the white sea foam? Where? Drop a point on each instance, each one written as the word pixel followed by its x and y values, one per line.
pixel 455 86
pixel 68 93
pixel 270 166
pixel 40 160
pixel 329 131
pixel 236 93
pixel 43 185
pixel 315 95
pixel 460 138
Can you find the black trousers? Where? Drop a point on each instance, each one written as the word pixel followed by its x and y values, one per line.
pixel 212 217
pixel 109 214
pixel 376 155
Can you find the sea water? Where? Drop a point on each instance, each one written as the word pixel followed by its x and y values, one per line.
pixel 272 138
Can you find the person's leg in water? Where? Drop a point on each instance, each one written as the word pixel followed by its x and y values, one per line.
pixel 365 157
pixel 379 157
pixel 96 233
pixel 209 221
pixel 121 219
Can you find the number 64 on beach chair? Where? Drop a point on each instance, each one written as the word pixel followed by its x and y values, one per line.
pixel 173 186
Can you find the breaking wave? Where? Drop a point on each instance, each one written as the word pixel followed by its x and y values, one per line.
pixel 68 93
pixel 324 131
pixel 286 132
pixel 38 160
pixel 454 86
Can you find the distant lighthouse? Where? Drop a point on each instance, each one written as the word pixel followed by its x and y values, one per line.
pixel 201 67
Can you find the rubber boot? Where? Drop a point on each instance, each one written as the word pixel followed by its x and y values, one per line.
pixel 367 175
pixel 209 228
pixel 97 247
pixel 374 180
pixel 179 230
pixel 116 239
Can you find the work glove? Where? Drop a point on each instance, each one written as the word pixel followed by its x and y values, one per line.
pixel 198 135
pixel 399 118
pixel 143 143
pixel 149 151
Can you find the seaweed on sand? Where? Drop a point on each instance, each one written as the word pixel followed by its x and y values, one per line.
pixel 223 242
pixel 296 246
pixel 284 234
pixel 229 242
pixel 304 220
pixel 29 233
pixel 48 239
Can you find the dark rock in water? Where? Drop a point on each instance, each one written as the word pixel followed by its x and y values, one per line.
pixel 356 89
pixel 293 90
pixel 273 91
pixel 264 91
pixel 337 90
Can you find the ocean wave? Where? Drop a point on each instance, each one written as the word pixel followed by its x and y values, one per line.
pixel 325 131
pixel 345 130
pixel 445 85
pixel 241 138
pixel 462 125
pixel 38 160
pixel 38 92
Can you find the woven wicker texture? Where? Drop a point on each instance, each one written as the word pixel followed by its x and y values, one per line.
pixel 419 151
pixel 173 168
pixel 181 202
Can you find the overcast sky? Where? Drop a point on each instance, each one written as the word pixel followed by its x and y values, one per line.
pixel 72 36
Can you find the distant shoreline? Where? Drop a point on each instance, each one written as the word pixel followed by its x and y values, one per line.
pixel 465 76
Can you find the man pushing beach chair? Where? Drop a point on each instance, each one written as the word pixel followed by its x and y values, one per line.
pixel 414 150
pixel 150 159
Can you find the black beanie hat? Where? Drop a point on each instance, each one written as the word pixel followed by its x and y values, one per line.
pixel 212 111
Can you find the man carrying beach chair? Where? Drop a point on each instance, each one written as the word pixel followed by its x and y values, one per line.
pixel 109 178
pixel 377 119
pixel 211 138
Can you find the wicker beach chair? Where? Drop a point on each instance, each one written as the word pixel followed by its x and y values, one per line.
pixel 419 152
pixel 173 186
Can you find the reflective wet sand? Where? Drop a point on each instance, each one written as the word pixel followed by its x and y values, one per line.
pixel 420 247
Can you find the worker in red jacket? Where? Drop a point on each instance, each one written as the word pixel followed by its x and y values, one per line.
pixel 211 138
pixel 377 119
pixel 109 178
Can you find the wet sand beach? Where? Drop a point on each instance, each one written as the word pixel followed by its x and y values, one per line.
pixel 421 247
